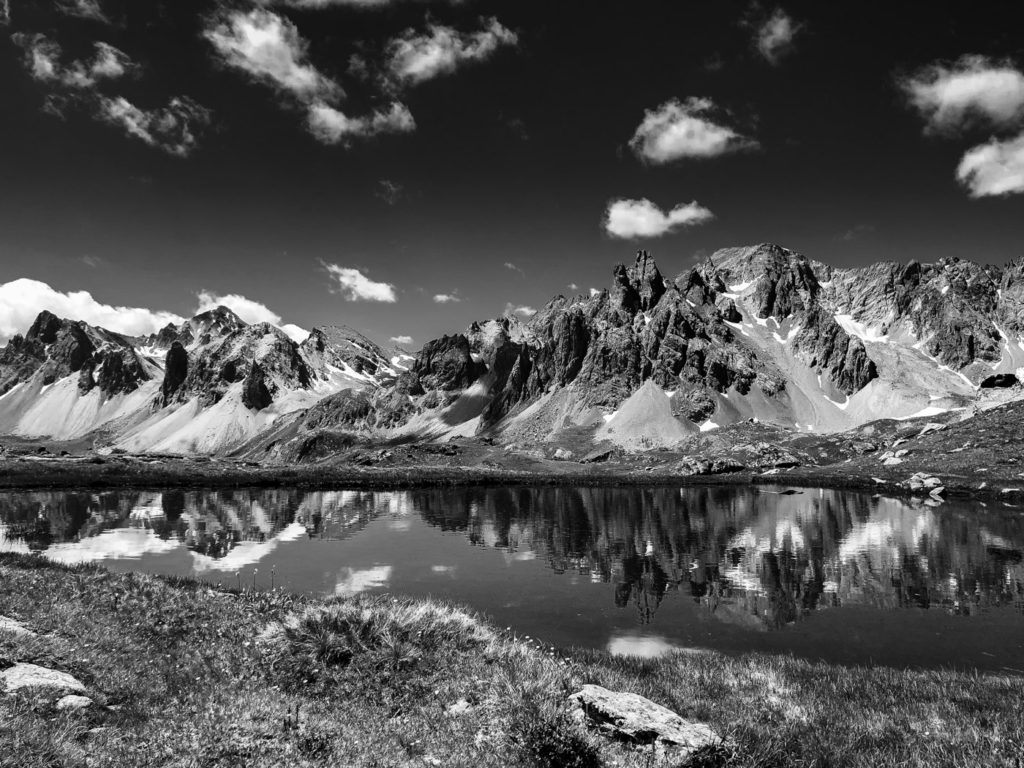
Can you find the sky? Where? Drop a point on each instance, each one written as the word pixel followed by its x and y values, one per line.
pixel 408 166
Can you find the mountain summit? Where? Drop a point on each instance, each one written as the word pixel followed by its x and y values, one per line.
pixel 758 332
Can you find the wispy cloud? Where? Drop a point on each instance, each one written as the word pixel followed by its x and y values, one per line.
pixel 5 12
pixel 173 128
pixel 631 219
pixel 353 285
pixel 774 36
pixel 332 126
pixel 573 287
pixel 402 340
pixel 85 9
pixel 270 49
pixel 973 90
pixel 855 232
pixel 994 169
pixel 389 191
pixel 43 61
pixel 446 298
pixel 93 262
pixel 418 57
pixel 23 299
pixel 510 266
pixel 686 129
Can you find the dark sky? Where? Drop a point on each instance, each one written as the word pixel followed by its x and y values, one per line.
pixel 515 155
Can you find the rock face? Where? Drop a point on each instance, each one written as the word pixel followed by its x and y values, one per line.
pixel 175 370
pixel 632 718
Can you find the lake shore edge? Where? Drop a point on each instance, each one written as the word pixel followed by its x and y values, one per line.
pixel 30 474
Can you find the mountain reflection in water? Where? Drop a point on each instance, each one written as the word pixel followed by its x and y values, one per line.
pixel 610 559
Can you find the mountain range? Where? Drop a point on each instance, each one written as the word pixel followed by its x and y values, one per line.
pixel 757 332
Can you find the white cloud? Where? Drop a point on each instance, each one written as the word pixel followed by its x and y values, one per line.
pixel 353 285
pixel 5 12
pixel 249 310
pixel 270 49
pixel 23 299
pixel 295 333
pixel 573 287
pixel 686 129
pixel 331 126
pixel 642 218
pixel 595 292
pixel 774 38
pixel 446 298
pixel 403 340
pixel 510 266
pixel 42 60
pixel 416 58
pixel 86 9
pixel 522 311
pixel 993 169
pixel 973 89
pixel 172 128
pixel 313 4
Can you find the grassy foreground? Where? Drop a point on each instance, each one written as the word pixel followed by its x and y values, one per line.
pixel 184 675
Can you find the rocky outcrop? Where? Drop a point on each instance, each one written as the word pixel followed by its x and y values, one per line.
pixel 444 364
pixel 175 371
pixel 255 392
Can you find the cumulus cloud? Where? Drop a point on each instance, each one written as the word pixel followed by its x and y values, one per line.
pixel 415 58
pixel 270 49
pixel 994 169
pixel 685 129
pixel 642 218
pixel 403 340
pixel 774 36
pixel 573 287
pixel 23 299
pixel 972 90
pixel 595 292
pixel 446 298
pixel 353 285
pixel 332 126
pixel 173 128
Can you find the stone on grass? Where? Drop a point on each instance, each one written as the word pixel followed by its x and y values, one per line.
pixel 563 455
pixel 633 718
pixel 460 707
pixel 32 676
pixel 73 701
pixel 12 627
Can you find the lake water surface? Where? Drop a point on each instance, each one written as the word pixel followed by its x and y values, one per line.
pixel 841 576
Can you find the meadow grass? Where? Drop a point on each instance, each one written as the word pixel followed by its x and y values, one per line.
pixel 184 674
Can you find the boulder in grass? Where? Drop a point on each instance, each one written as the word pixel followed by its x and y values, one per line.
pixel 33 676
pixel 631 717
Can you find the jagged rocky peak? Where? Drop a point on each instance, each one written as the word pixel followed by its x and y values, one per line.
pixel 339 346
pixel 784 282
pixel 175 371
pixel 212 324
pixel 639 287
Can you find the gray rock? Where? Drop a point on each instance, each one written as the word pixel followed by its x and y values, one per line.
pixel 33 676
pixel 73 701
pixel 633 718
pixel 563 455
pixel 12 627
